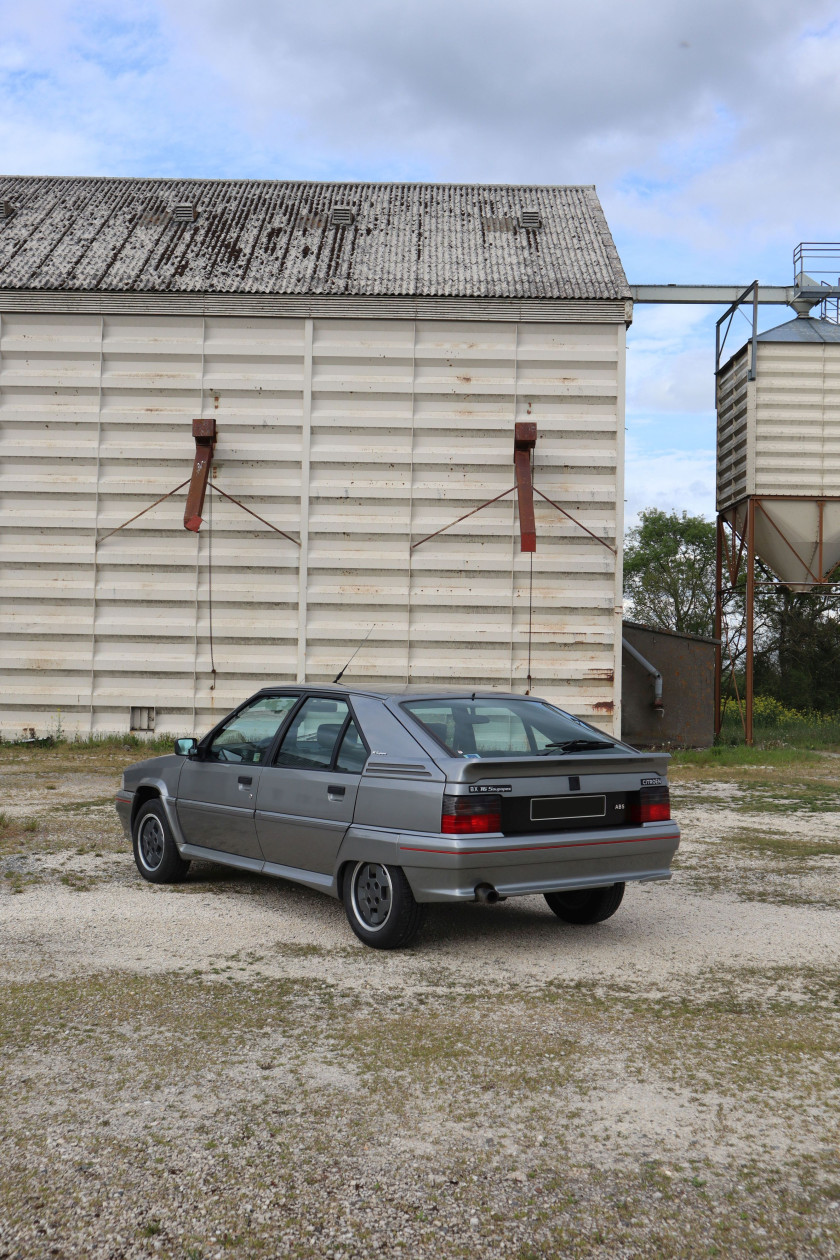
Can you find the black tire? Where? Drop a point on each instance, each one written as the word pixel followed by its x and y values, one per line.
pixel 380 905
pixel 155 852
pixel 586 905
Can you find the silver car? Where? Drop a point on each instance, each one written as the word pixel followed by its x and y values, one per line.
pixel 393 798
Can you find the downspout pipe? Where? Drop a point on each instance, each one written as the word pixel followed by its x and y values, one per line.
pixel 650 669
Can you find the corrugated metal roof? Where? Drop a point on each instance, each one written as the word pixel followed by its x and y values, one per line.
pixel 802 329
pixel 275 237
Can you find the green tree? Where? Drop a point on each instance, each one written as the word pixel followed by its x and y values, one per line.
pixel 669 571
pixel 798 663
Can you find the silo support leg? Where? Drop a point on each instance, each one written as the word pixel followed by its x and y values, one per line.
pixel 721 542
pixel 750 623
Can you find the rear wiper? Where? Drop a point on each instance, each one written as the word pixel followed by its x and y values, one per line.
pixel 578 745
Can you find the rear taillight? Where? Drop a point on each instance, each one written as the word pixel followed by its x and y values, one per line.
pixel 654 805
pixel 470 815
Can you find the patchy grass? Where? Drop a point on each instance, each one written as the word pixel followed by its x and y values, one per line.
pixel 77 881
pixel 85 807
pixel 148 746
pixel 771 857
pixel 781 845
pixel 766 864
pixel 791 797
pixel 306 1120
pixel 17 880
pixel 725 757
pixel 426 1112
pixel 108 756
pixel 772 778
pixel 11 827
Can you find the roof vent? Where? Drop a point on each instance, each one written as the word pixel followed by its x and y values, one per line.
pixel 341 216
pixel 7 211
pixel 184 212
pixel 530 219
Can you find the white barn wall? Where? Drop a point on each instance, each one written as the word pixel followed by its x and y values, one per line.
pixel 358 435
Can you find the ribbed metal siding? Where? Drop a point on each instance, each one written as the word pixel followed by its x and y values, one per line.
pixel 797 419
pixel 735 397
pixel 361 435
pixel 780 434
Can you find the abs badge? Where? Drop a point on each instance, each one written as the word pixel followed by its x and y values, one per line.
pixel 480 788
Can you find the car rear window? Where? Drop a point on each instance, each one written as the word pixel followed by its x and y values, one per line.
pixel 502 728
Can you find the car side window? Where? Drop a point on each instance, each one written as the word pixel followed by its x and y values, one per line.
pixel 352 754
pixel 311 739
pixel 248 735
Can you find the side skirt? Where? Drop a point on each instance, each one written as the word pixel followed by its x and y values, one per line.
pixel 312 879
pixel 201 854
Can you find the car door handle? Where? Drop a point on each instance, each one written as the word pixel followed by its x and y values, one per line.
pixel 245 780
pixel 336 789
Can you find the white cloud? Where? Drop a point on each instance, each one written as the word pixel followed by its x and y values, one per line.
pixel 703 124
pixel 709 128
pixel 669 479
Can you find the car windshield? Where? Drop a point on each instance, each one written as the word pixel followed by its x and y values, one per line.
pixel 504 728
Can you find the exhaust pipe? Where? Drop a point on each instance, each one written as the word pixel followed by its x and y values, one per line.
pixel 487 894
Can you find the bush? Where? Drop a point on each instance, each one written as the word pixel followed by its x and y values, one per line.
pixel 776 725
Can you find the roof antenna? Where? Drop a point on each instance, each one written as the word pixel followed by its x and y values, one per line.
pixel 340 673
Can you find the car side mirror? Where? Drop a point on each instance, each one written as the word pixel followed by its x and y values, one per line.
pixel 186 746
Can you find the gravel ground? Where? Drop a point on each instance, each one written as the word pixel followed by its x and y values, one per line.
pixel 221 1069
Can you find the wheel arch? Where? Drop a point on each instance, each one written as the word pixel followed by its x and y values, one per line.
pixel 360 845
pixel 143 794
pixel 341 874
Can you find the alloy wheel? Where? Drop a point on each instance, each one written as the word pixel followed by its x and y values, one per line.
pixel 151 841
pixel 372 894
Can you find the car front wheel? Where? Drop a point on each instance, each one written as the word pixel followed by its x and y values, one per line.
pixel 380 905
pixel 586 905
pixel 155 852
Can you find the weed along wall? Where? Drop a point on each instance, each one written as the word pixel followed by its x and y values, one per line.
pixel 355 441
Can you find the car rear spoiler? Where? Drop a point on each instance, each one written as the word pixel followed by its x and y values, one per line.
pixel 470 771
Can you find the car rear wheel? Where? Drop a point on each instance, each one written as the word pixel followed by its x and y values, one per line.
pixel 586 905
pixel 155 852
pixel 380 905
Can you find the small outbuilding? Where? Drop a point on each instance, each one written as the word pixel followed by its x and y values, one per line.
pixel 360 356
pixel 677 709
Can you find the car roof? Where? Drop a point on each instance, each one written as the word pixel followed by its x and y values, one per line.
pixel 391 691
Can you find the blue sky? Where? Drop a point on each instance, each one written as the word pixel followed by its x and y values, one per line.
pixel 709 129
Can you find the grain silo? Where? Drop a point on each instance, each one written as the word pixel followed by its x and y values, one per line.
pixel 778 465
pixel 359 356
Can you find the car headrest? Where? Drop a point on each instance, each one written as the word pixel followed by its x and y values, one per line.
pixel 327 733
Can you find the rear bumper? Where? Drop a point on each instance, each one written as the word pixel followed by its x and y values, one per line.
pixel 448 868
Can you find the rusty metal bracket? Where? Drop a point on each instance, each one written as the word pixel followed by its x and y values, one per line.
pixel 524 441
pixel 142 512
pixel 575 521
pixel 472 512
pixel 204 432
pixel 218 490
